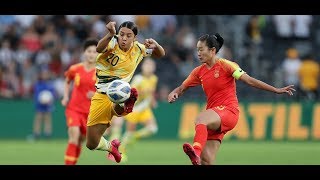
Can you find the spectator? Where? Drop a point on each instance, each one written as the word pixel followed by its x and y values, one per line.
pixel 290 66
pixel 309 73
pixel 44 97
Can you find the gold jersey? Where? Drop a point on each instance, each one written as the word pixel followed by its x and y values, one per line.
pixel 113 63
pixel 146 86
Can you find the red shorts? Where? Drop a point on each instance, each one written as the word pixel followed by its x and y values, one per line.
pixel 74 118
pixel 229 118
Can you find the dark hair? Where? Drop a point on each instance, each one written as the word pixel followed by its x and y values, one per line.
pixel 90 42
pixel 130 25
pixel 213 41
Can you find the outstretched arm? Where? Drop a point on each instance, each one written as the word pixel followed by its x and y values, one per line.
pixel 158 50
pixel 176 93
pixel 103 43
pixel 262 85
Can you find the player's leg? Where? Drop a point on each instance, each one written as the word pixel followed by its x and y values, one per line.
pixel 128 135
pixel 126 140
pixel 150 126
pixel 73 149
pixel 82 140
pixel 83 132
pixel 37 122
pixel 47 119
pixel 99 119
pixel 95 139
pixel 116 129
pixel 131 135
pixel 131 121
pixel 214 132
pixel 206 119
pixel 209 152
pixel 98 122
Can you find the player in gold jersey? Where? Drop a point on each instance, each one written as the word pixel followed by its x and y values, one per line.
pixel 146 84
pixel 119 55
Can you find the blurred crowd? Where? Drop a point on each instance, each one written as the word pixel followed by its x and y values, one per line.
pixel 278 49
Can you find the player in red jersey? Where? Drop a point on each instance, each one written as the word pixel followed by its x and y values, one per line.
pixel 217 77
pixel 83 75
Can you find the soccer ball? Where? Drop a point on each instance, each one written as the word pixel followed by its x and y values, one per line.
pixel 45 97
pixel 118 91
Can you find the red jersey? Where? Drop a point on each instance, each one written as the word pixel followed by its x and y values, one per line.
pixel 83 82
pixel 218 83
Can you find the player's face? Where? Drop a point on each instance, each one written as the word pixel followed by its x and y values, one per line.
pixel 148 67
pixel 125 38
pixel 204 53
pixel 90 54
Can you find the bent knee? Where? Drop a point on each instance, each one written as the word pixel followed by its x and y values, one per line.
pixel 91 145
pixel 201 121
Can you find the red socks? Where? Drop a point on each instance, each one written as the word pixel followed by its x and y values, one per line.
pixel 72 153
pixel 200 138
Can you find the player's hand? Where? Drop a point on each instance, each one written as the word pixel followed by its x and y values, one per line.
pixel 172 97
pixel 288 89
pixel 111 26
pixel 150 43
pixel 90 94
pixel 64 101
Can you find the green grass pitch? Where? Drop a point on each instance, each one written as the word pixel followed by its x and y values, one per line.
pixel 164 152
